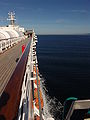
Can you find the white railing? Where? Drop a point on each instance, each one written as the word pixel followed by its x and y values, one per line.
pixel 7 43
pixel 25 108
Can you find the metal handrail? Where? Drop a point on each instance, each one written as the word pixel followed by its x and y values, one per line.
pixel 11 41
pixel 27 103
pixel 69 114
pixel 26 111
pixel 77 105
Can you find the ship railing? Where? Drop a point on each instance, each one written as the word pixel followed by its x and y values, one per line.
pixel 38 90
pixel 11 95
pixel 26 103
pixel 78 105
pixel 41 116
pixel 7 43
pixel 17 100
pixel 26 108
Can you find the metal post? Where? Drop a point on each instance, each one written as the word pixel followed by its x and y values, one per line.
pixel 32 85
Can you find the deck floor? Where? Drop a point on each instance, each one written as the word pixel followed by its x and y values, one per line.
pixel 8 62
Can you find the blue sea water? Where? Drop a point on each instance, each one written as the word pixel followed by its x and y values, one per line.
pixel 64 62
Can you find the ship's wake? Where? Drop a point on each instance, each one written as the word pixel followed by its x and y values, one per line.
pixel 52 107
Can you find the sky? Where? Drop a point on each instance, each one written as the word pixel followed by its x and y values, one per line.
pixel 49 16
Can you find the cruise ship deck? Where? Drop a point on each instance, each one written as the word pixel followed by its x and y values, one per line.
pixel 8 62
pixel 21 94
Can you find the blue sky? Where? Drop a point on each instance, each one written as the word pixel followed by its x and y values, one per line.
pixel 49 16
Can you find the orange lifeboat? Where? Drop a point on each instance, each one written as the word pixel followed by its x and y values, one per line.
pixel 36 98
pixel 38 82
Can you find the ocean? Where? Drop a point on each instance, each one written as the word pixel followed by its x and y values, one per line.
pixel 64 63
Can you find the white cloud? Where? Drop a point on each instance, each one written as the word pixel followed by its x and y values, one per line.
pixel 79 11
pixel 60 21
pixel 75 11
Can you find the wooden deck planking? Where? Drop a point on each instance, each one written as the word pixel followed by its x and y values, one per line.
pixel 8 63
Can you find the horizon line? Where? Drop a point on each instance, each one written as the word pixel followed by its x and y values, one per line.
pixel 66 34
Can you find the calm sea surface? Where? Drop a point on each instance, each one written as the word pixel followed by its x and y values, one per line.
pixel 64 62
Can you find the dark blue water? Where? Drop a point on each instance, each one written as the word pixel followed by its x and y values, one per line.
pixel 64 62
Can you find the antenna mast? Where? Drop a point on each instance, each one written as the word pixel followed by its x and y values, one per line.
pixel 11 18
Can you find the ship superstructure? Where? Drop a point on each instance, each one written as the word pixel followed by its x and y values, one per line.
pixel 11 34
